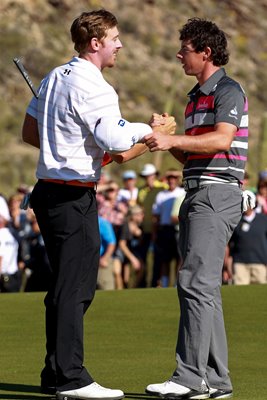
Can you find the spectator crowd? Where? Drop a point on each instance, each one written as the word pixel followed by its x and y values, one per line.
pixel 139 229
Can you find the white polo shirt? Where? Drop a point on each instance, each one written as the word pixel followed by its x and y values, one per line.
pixel 72 97
pixel 8 252
pixel 163 204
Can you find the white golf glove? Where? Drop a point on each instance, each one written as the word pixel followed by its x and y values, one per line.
pixel 248 200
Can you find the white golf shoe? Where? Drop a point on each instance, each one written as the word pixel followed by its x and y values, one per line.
pixel 172 390
pixel 91 392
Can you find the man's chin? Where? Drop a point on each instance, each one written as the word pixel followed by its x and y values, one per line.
pixel 111 64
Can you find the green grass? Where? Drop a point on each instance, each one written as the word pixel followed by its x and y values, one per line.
pixel 130 339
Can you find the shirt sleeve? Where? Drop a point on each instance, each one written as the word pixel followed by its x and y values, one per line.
pixel 229 104
pixel 156 205
pixel 125 233
pixel 108 233
pixel 32 108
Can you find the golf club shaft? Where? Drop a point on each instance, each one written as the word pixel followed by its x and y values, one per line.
pixel 25 76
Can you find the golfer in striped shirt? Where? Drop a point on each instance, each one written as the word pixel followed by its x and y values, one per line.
pixel 214 153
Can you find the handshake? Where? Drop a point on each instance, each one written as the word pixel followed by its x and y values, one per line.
pixel 163 123
pixel 116 134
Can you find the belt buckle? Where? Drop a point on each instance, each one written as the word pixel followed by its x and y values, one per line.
pixel 190 184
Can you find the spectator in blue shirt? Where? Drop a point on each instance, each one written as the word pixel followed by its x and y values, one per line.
pixel 105 279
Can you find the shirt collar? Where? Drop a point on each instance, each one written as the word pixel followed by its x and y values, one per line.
pixel 85 64
pixel 208 86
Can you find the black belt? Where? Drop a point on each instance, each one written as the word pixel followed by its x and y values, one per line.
pixel 192 184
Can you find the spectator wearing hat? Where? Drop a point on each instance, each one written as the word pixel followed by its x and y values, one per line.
pixel 129 192
pixel 248 248
pixel 163 228
pixel 146 197
pixel 10 276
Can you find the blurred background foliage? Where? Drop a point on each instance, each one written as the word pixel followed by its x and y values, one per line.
pixel 147 76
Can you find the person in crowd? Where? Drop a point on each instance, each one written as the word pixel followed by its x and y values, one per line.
pixel 23 189
pixel 262 192
pixel 68 123
pixel 19 222
pixel 115 212
pixel 164 233
pixel 111 209
pixel 105 278
pixel 130 244
pixel 102 184
pixel 175 220
pixel 214 153
pixel 129 192
pixel 10 274
pixel 37 268
pixel 246 182
pixel 146 197
pixel 248 249
pixel 18 216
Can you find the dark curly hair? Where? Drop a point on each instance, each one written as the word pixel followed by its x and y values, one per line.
pixel 202 33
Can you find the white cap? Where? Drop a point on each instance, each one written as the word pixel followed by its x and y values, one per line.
pixel 148 169
pixel 4 210
pixel 129 174
pixel 115 134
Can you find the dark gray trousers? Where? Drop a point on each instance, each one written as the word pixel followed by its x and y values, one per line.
pixel 208 217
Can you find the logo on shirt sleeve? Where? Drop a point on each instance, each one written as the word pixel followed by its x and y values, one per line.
pixel 233 113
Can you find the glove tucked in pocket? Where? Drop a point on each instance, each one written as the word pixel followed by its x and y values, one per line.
pixel 248 200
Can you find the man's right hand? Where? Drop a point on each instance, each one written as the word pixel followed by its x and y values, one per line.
pixel 163 123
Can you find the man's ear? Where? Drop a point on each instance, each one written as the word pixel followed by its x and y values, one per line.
pixel 95 44
pixel 207 53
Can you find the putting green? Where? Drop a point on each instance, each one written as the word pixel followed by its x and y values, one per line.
pixel 130 339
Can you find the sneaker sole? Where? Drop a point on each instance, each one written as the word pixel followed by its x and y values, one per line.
pixel 192 395
pixel 67 397
pixel 222 396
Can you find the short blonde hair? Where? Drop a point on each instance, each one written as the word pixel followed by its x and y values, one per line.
pixel 89 25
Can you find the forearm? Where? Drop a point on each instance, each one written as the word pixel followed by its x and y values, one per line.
pixel 30 132
pixel 109 251
pixel 128 155
pixel 207 143
pixel 125 249
pixel 106 257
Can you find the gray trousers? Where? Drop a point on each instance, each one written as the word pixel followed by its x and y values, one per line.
pixel 208 217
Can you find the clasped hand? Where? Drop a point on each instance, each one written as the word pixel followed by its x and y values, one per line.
pixel 163 126
pixel 163 123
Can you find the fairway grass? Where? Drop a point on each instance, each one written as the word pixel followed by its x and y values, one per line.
pixel 130 339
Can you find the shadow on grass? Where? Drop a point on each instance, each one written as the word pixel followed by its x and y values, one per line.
pixel 140 396
pixel 24 389
pixel 21 388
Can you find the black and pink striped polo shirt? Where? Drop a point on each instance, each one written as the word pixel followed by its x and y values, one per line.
pixel 219 99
